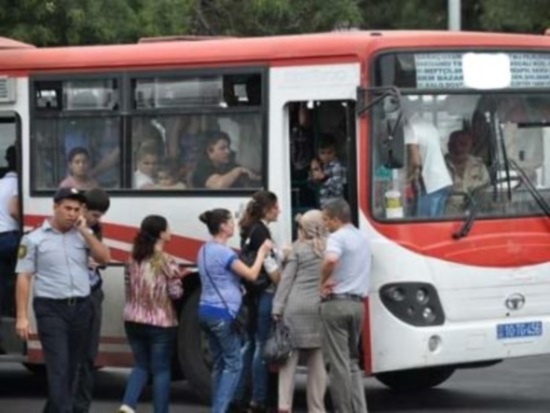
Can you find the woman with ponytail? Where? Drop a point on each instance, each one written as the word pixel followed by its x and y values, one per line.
pixel 220 273
pixel 153 280
pixel 261 211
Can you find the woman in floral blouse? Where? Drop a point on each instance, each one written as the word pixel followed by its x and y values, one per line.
pixel 152 282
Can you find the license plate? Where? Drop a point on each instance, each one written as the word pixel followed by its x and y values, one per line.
pixel 513 330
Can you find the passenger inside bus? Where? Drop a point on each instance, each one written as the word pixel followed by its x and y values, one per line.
pixel 168 177
pixel 146 166
pixel 79 175
pixel 217 169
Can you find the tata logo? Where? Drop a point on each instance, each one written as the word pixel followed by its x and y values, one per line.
pixel 515 301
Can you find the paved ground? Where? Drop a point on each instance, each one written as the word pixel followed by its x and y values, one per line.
pixel 513 386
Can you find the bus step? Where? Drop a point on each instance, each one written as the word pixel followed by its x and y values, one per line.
pixel 12 358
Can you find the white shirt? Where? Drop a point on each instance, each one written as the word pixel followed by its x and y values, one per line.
pixel 419 131
pixel 8 189
pixel 351 273
pixel 140 180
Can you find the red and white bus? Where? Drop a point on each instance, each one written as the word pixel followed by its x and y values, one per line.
pixel 467 288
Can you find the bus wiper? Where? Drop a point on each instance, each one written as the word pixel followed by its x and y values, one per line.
pixel 537 196
pixel 470 217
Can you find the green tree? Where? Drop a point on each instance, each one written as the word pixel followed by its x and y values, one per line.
pixel 269 17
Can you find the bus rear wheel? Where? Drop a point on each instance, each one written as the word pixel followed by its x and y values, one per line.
pixel 415 379
pixel 192 351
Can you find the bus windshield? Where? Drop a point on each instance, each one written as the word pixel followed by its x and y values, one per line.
pixel 488 148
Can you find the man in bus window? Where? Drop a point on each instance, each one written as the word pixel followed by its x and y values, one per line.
pixel 96 205
pixel 428 171
pixel 9 231
pixel 54 258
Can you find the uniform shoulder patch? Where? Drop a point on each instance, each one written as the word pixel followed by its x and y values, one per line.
pixel 22 251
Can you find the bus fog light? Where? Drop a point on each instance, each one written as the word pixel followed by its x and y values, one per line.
pixel 428 315
pixel 396 294
pixel 421 296
pixel 434 343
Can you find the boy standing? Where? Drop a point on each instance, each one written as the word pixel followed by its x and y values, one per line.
pixel 330 175
pixel 96 205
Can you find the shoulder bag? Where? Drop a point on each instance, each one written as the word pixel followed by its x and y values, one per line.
pixel 240 319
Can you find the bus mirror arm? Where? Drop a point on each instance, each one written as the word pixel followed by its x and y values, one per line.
pixel 367 97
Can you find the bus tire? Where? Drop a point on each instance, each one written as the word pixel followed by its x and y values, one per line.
pixel 415 379
pixel 194 363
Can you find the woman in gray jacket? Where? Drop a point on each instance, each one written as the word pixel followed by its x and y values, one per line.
pixel 297 301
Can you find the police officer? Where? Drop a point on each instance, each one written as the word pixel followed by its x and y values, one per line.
pixel 56 255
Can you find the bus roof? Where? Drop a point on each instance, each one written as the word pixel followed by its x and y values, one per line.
pixel 277 50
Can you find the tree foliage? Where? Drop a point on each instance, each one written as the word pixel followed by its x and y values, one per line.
pixel 63 22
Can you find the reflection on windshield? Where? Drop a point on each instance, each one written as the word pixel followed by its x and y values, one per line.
pixel 458 147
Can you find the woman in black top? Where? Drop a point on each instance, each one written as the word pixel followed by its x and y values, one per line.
pixel 216 169
pixel 260 212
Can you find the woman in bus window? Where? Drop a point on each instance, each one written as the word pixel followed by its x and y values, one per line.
pixel 221 298
pixel 217 169
pixel 79 178
pixel 153 280
pixel 262 210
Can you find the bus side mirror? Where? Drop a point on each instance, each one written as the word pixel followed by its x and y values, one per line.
pixel 393 143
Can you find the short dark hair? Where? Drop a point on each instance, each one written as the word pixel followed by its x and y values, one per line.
pixel 11 158
pixel 97 200
pixel 339 209
pixel 327 141
pixel 77 151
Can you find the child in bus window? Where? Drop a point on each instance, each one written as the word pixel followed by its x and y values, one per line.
pixel 146 166
pixel 327 172
pixel 79 177
pixel 167 177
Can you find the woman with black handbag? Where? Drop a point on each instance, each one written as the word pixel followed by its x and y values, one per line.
pixel 262 210
pixel 220 306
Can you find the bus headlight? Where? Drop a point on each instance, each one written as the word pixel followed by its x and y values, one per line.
pixel 414 303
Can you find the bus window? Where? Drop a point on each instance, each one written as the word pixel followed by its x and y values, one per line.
pixel 184 141
pixel 76 135
pixel 216 142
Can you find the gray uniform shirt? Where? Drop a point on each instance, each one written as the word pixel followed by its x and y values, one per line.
pixel 58 261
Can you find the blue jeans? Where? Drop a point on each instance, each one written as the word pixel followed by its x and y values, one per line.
pixel 253 353
pixel 152 350
pixel 433 204
pixel 225 347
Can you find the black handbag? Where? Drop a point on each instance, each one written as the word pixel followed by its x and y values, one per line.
pixel 248 257
pixel 278 347
pixel 240 319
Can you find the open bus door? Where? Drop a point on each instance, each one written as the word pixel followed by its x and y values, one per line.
pixel 309 123
pixel 11 348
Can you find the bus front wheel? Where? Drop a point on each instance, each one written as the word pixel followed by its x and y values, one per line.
pixel 415 379
pixel 192 351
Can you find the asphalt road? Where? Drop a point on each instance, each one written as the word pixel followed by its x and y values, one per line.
pixel 513 386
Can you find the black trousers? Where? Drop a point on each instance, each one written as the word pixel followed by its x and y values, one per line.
pixel 64 330
pixel 9 241
pixel 85 377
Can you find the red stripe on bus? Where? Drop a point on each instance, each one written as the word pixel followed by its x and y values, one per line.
pixel 181 247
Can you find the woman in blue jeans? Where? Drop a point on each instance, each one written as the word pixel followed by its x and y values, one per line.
pixel 220 273
pixel 262 210
pixel 152 281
